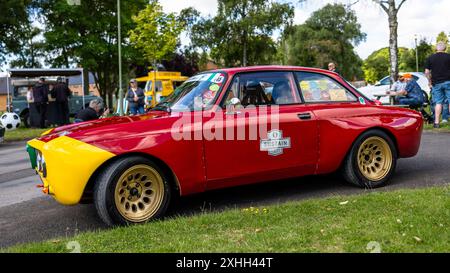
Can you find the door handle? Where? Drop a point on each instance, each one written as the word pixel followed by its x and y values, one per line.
pixel 304 116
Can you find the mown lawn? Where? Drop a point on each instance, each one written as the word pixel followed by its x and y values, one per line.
pixel 445 127
pixel 400 221
pixel 23 134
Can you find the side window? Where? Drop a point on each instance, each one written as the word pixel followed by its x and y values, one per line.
pixel 385 81
pixel 264 88
pixel 320 88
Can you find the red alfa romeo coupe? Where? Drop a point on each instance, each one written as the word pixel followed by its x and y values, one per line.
pixel 225 128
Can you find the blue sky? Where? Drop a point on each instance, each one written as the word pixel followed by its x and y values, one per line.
pixel 421 17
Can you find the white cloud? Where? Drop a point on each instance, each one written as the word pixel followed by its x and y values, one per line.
pixel 421 17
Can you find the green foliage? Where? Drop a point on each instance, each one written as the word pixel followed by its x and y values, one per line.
pixel 442 37
pixel 32 49
pixel 376 66
pixel 86 35
pixel 240 33
pixel 329 35
pixel 14 18
pixel 424 50
pixel 156 33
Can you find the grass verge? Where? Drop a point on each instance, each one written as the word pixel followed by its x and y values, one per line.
pixel 400 221
pixel 445 127
pixel 23 134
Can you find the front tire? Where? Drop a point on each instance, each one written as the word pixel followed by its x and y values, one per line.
pixel 131 190
pixel 371 161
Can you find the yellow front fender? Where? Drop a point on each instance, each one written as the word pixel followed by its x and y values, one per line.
pixel 69 165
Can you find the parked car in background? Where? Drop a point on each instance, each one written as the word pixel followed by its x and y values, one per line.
pixel 384 85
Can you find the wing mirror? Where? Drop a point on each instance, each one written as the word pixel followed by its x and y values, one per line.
pixel 231 107
pixel 235 101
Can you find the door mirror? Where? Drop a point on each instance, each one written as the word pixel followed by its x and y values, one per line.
pixel 235 101
pixel 231 107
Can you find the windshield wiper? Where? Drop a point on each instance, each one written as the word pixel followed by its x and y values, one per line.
pixel 164 106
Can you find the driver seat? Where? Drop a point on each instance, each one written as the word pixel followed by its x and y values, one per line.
pixel 254 94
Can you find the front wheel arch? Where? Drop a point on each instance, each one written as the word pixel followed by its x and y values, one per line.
pixel 88 190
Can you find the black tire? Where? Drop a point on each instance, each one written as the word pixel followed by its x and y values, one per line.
pixel 351 170
pixel 105 191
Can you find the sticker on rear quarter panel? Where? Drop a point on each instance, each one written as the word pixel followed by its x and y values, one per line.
pixel 362 101
pixel 275 143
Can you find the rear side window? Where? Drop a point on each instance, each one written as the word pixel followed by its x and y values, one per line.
pixel 320 88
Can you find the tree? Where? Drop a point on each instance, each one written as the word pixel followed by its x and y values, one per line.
pixel 86 35
pixel 424 50
pixel 156 33
pixel 376 66
pixel 329 35
pixel 391 8
pixel 240 33
pixel 14 19
pixel 442 37
pixel 185 62
pixel 32 49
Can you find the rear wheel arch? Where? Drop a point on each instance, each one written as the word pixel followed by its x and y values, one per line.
pixel 384 130
pixel 88 190
pixel 348 168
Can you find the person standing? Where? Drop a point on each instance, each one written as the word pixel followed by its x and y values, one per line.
pixel 61 94
pixel 136 98
pixel 40 95
pixel 437 70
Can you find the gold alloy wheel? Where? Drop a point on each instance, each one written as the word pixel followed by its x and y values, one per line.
pixel 375 158
pixel 139 193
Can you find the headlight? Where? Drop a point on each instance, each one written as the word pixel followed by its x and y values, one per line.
pixel 41 165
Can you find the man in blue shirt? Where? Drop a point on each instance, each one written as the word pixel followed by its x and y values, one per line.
pixel 412 94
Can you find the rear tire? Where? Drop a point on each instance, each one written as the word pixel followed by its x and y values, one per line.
pixel 371 161
pixel 131 190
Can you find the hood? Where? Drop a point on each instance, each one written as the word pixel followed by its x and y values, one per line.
pixel 103 128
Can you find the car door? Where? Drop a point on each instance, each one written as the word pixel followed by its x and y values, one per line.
pixel 267 136
pixel 340 116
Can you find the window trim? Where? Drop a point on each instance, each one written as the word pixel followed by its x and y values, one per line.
pixel 292 72
pixel 324 102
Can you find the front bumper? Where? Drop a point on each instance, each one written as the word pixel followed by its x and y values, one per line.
pixel 65 166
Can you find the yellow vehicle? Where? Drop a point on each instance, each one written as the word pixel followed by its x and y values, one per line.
pixel 166 82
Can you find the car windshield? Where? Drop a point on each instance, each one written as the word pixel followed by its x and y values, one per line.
pixel 197 93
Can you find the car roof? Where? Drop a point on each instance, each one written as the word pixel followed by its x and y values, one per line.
pixel 235 70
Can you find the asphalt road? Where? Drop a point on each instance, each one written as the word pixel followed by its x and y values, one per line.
pixel 28 216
